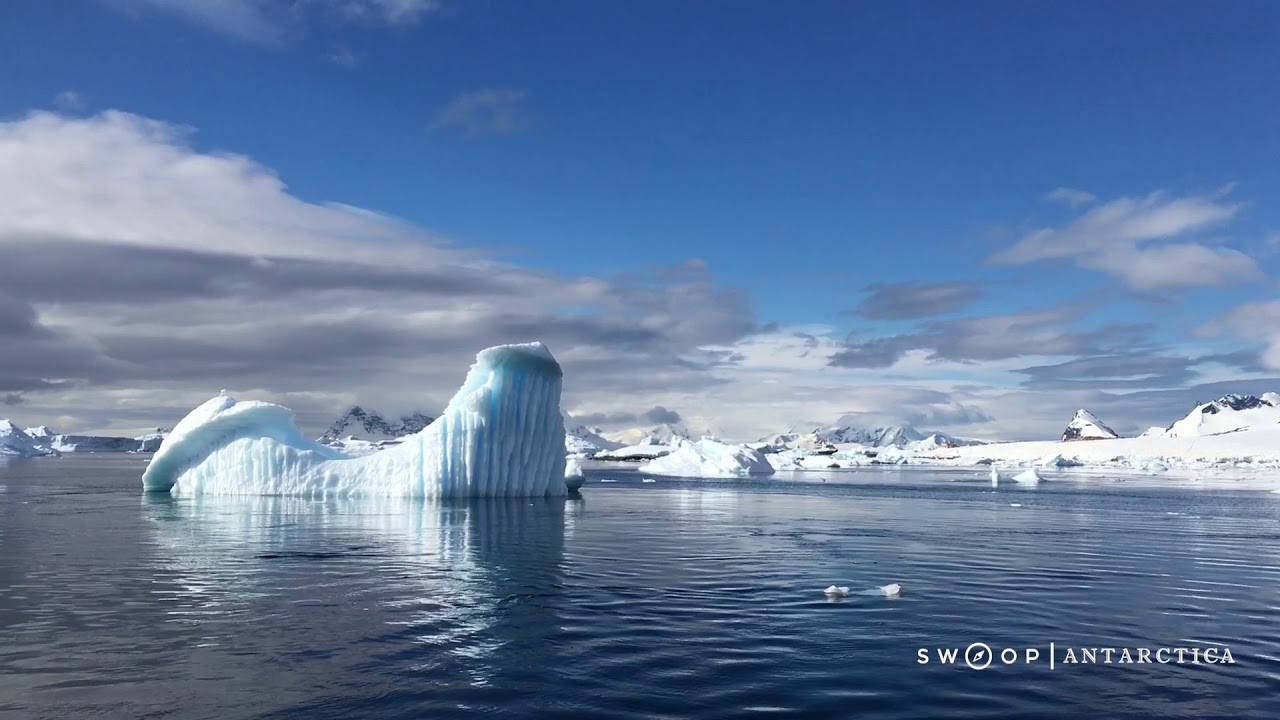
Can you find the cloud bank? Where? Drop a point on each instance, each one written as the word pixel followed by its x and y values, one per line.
pixel 140 275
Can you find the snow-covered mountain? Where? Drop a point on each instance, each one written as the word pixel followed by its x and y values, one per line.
pixel 938 440
pixel 583 440
pixel 364 425
pixel 895 436
pixel 1086 426
pixel 1229 413
pixel 15 442
pixel 664 434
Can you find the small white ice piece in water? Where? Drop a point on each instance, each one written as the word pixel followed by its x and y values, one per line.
pixel 1027 477
pixel 995 477
pixel 1015 504
pixel 890 590
pixel 648 480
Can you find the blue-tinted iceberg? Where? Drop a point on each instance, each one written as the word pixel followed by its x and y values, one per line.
pixel 502 435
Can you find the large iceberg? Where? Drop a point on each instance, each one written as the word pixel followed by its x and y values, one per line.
pixel 14 441
pixel 709 457
pixel 502 434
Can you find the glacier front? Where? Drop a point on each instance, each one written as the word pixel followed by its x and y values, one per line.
pixel 501 435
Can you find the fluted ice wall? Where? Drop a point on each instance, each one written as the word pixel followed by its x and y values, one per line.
pixel 502 435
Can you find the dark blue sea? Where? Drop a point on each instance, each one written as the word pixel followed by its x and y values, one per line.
pixel 666 599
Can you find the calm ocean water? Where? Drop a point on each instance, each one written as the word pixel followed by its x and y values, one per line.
pixel 671 599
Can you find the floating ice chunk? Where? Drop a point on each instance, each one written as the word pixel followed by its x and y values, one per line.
pixel 892 456
pixel 709 457
pixel 1060 461
pixel 1276 491
pixel 1015 504
pixel 573 477
pixel 1152 465
pixel 1028 477
pixel 648 480
pixel 995 477
pixel 502 434
pixel 890 590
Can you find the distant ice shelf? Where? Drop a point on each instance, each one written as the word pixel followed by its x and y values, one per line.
pixel 502 434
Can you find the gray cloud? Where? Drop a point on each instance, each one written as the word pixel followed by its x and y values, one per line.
pixel 1249 361
pixel 911 300
pixel 1112 371
pixel 487 112
pixel 604 419
pixel 76 271
pixel 994 337
pixel 654 416
pixel 11 399
pixel 325 306
pixel 877 353
pixel 954 414
pixel 659 414
pixel 18 320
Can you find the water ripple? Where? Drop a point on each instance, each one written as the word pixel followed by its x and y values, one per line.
pixel 690 599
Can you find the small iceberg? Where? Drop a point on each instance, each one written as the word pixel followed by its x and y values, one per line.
pixel 709 458
pixel 573 477
pixel 995 477
pixel 890 590
pixel 1060 461
pixel 1028 477
pixel 1153 465
pixel 843 591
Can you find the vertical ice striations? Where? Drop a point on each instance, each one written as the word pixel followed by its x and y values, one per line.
pixel 501 435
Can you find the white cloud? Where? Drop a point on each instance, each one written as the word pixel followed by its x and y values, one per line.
pixel 143 265
pixel 68 100
pixel 268 22
pixel 1070 197
pixel 344 57
pixel 491 111
pixel 1256 323
pixel 1133 240
pixel 151 274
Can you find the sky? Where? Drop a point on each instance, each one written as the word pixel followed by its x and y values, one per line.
pixel 745 216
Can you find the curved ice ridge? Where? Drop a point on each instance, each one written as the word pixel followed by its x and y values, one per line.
pixel 501 435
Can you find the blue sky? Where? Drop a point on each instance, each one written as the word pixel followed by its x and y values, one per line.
pixel 799 153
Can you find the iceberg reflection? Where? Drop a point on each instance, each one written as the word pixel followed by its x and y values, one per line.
pixel 455 578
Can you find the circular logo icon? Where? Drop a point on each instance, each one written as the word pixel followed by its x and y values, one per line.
pixel 977 656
